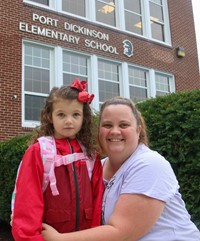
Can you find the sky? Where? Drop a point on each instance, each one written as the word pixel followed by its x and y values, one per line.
pixel 196 9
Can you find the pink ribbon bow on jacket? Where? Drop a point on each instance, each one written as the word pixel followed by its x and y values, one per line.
pixel 83 95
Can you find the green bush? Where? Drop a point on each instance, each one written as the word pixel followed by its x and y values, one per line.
pixel 11 153
pixel 173 124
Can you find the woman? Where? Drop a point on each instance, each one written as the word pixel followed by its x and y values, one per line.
pixel 142 199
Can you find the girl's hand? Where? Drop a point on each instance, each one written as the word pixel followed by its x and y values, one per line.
pixel 49 233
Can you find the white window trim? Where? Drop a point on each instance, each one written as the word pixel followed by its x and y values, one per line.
pixel 172 87
pixel 125 84
pixel 94 85
pixel 56 76
pixel 120 17
pixel 53 79
pixel 147 70
pixel 53 5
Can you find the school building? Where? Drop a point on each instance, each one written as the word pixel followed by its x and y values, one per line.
pixel 134 48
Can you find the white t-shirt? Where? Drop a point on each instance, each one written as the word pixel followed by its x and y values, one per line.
pixel 147 172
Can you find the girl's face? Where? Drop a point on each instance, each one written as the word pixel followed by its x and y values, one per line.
pixel 118 131
pixel 67 118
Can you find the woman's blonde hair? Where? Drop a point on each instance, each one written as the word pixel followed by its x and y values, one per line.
pixel 143 138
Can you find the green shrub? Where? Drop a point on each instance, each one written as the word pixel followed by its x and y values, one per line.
pixel 11 153
pixel 173 124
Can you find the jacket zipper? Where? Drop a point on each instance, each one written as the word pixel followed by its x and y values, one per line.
pixel 77 190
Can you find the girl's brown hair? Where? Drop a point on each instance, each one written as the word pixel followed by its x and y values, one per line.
pixel 46 126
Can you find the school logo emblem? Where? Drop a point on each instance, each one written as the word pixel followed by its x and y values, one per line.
pixel 128 48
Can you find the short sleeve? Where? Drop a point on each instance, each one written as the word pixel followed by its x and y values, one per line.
pixel 150 174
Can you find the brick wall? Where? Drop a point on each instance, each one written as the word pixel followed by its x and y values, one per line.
pixel 146 53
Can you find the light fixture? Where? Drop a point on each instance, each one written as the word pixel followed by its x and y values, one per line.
pixel 107 8
pixel 139 24
pixel 180 52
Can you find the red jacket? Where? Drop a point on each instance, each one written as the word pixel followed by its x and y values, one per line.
pixel 78 205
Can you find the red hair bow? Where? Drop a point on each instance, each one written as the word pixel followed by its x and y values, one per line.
pixel 83 95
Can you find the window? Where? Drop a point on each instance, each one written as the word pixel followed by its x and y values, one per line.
pixel 157 20
pixel 76 7
pixel 36 79
pixel 42 72
pixel 45 66
pixel 162 84
pixel 45 2
pixel 105 12
pixel 146 18
pixel 137 84
pixel 74 66
pixel 33 105
pixel 108 77
pixel 133 16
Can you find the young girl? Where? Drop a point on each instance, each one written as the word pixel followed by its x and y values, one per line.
pixel 72 198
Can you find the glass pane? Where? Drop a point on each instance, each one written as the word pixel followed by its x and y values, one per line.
pixel 133 23
pixel 37 52
pixel 105 12
pixel 37 80
pixel 162 84
pixel 45 2
pixel 156 1
pixel 74 68
pixel 137 77
pixel 45 53
pixel 133 6
pixel 37 62
pixel 157 21
pixel 74 65
pixel 156 12
pixel 33 105
pixel 137 84
pixel 157 31
pixel 159 93
pixel 28 50
pixel 108 76
pixel 107 90
pixel 108 70
pixel 82 70
pixel 37 56
pixel 74 6
pixel 138 94
pixel 69 78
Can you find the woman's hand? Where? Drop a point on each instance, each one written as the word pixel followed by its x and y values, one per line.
pixel 49 233
pixel 11 219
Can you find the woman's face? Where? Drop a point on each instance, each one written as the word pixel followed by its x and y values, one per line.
pixel 118 131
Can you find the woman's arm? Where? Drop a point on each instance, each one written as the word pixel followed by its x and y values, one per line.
pixel 133 217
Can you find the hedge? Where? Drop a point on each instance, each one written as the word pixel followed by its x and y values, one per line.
pixel 11 153
pixel 173 123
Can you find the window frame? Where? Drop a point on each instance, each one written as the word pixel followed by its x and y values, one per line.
pixel 90 8
pixel 56 76
pixel 147 81
pixel 33 123
pixel 79 75
pixel 170 79
pixel 119 82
